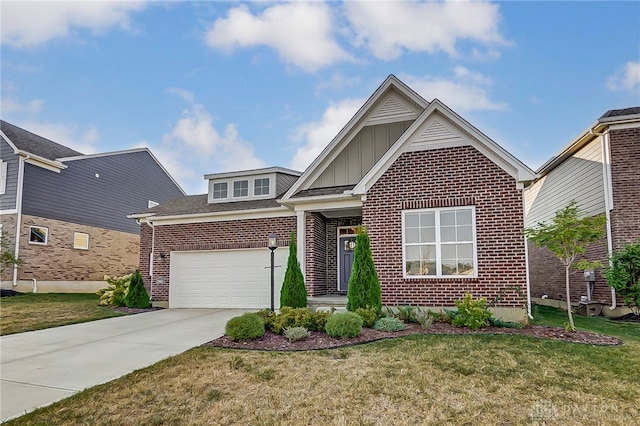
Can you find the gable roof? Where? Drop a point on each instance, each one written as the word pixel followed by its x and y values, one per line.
pixel 375 113
pixel 27 142
pixel 422 131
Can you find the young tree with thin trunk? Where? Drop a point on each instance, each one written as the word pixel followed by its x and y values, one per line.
pixel 567 237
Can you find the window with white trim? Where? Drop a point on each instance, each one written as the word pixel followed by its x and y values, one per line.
pixel 261 186
pixel 241 188
pixel 220 190
pixel 439 242
pixel 81 240
pixel 38 235
pixel 3 177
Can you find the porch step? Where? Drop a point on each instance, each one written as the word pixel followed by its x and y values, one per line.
pixel 326 303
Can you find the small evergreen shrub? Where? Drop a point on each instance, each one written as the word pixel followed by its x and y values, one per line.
pixel 299 317
pixel 497 322
pixel 137 296
pixel 115 291
pixel 293 292
pixel 369 316
pixel 296 333
pixel 364 287
pixel 245 327
pixel 471 313
pixel 344 325
pixel 389 324
pixel 267 316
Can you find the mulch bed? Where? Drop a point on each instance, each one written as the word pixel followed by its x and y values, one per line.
pixel 317 340
pixel 134 310
pixel 628 318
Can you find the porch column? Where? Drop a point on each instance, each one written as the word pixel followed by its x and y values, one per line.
pixel 300 240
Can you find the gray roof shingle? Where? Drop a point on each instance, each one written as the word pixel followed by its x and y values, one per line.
pixel 194 204
pixel 621 112
pixel 34 144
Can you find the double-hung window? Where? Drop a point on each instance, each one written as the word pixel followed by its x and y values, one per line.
pixel 241 188
pixel 439 242
pixel 261 186
pixel 219 190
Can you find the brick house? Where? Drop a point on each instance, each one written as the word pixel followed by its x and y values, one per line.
pixel 69 210
pixel 442 202
pixel 600 170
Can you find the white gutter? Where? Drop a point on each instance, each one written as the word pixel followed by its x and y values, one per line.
pixel 16 251
pixel 608 200
pixel 526 262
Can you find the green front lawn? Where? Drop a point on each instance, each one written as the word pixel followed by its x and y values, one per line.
pixel 30 311
pixel 421 379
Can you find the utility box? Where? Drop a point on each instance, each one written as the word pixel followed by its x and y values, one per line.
pixel 589 275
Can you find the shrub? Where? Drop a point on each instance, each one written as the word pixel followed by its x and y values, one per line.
pixel 364 287
pixel 344 325
pixel 425 319
pixel 293 293
pixel 497 322
pixel 389 324
pixel 137 296
pixel 472 313
pixel 624 275
pixel 447 315
pixel 369 316
pixel 267 316
pixel 299 317
pixel 115 291
pixel 245 327
pixel 296 333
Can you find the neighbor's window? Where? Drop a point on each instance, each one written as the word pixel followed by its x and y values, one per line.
pixel 439 242
pixel 261 186
pixel 220 190
pixel 241 188
pixel 38 235
pixel 81 240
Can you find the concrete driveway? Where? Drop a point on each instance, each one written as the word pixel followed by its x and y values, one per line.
pixel 41 367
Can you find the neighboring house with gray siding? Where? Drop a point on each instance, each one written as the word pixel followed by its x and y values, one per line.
pixel 69 210
pixel 600 170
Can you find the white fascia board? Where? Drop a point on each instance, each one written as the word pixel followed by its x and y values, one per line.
pixel 222 216
pixel 477 139
pixel 45 163
pixel 333 205
pixel 329 153
pixel 140 215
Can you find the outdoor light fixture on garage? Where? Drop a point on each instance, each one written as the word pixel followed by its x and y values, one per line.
pixel 272 244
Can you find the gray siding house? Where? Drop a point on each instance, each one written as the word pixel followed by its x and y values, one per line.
pixel 600 170
pixel 65 214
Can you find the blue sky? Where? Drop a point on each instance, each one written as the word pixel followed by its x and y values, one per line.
pixel 219 86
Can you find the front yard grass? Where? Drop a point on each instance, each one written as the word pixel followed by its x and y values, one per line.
pixel 421 379
pixel 28 312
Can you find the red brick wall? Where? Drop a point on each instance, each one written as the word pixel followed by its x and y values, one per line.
pixel 316 254
pixel 625 180
pixel 448 177
pixel 236 234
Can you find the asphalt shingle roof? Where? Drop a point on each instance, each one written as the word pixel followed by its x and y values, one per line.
pixel 194 204
pixel 621 112
pixel 34 144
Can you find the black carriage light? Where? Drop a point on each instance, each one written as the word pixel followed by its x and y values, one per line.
pixel 272 244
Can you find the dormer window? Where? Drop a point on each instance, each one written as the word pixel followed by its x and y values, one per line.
pixel 220 190
pixel 240 188
pixel 261 186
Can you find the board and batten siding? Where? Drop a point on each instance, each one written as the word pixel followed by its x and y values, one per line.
pixel 359 156
pixel 8 199
pixel 578 178
pixel 98 191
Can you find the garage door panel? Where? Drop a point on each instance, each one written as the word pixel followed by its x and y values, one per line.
pixel 225 278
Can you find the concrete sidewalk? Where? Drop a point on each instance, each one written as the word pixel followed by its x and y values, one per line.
pixel 40 367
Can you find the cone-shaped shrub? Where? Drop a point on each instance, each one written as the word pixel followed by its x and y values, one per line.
pixel 137 296
pixel 364 287
pixel 293 293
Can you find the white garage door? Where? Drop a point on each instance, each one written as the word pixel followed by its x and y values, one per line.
pixel 225 278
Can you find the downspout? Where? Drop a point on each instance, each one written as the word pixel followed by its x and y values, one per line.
pixel 526 262
pixel 18 215
pixel 608 199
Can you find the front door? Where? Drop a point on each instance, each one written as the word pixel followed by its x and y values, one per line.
pixel 345 261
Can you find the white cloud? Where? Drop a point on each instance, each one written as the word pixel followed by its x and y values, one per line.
pixel 465 90
pixel 389 28
pixel 69 135
pixel 195 134
pixel 317 135
pixel 8 106
pixel 27 23
pixel 185 95
pixel 627 79
pixel 301 33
